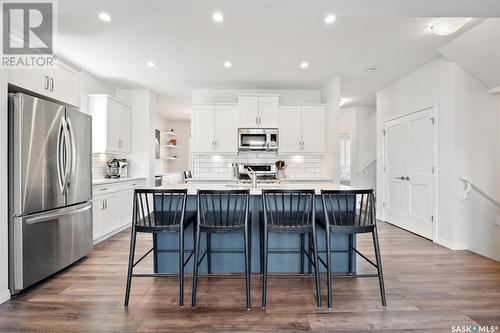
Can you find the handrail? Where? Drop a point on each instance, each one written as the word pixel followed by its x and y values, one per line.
pixel 469 185
pixel 367 164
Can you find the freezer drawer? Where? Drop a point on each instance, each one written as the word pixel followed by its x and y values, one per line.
pixel 45 243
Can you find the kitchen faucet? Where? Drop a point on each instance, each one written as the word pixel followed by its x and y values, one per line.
pixel 252 175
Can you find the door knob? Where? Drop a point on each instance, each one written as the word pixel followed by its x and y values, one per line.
pixel 407 178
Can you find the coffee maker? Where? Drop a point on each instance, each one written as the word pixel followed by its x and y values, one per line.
pixel 117 168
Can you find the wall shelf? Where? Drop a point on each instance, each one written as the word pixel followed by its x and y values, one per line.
pixel 169 146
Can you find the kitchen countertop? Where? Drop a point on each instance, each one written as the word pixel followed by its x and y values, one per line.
pixel 103 181
pixel 193 188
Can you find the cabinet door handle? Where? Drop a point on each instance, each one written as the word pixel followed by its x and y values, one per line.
pixel 51 84
pixel 46 82
pixel 103 189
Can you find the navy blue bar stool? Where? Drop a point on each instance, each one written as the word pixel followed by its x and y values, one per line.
pixel 350 212
pixel 222 212
pixel 157 211
pixel 289 211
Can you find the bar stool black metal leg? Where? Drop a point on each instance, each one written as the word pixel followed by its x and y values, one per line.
pixel 261 245
pixel 379 266
pixel 209 253
pixel 316 268
pixel 181 265
pixel 309 246
pixel 329 269
pixel 264 270
pixel 133 236
pixel 247 268
pixel 195 267
pixel 350 252
pixel 301 256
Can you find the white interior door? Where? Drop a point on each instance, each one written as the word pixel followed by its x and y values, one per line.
pixel 409 172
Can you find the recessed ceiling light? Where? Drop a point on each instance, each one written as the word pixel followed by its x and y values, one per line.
pixel 330 18
pixel 150 64
pixel 104 17
pixel 444 26
pixel 371 69
pixel 218 17
pixel 228 64
pixel 344 100
pixel 304 64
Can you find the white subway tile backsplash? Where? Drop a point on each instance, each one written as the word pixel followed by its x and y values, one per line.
pixel 220 166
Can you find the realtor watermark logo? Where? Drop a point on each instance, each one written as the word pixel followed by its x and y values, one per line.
pixel 27 34
pixel 474 328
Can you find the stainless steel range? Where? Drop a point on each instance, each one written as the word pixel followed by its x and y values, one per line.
pixel 264 172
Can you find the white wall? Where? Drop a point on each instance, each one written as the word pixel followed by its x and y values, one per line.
pixel 330 94
pixel 361 123
pixel 4 245
pixel 183 131
pixel 468 126
pixel 142 104
pixel 231 95
pixel 160 123
pixel 90 84
pixel 478 149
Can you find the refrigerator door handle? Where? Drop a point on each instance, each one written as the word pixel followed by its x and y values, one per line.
pixel 72 154
pixel 60 157
pixel 67 158
pixel 42 217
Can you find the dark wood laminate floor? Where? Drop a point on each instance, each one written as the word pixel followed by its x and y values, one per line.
pixel 429 288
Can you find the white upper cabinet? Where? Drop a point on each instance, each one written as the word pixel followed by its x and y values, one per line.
pixel 203 128
pixel 268 111
pixel 313 128
pixel 60 82
pixel 290 129
pixel 215 128
pixel 226 128
pixel 110 125
pixel 302 129
pixel 249 111
pixel 258 111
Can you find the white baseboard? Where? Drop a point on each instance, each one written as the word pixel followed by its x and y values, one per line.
pixel 111 233
pixel 4 296
pixel 452 245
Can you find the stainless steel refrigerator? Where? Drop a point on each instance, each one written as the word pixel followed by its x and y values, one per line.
pixel 50 188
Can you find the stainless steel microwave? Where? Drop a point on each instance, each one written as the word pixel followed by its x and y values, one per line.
pixel 266 139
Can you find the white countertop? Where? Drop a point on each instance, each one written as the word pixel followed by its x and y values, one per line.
pixel 193 188
pixel 103 181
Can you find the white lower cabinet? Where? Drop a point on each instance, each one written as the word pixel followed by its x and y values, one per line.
pixel 112 208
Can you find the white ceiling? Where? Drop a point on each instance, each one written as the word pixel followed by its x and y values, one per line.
pixel 478 51
pixel 265 40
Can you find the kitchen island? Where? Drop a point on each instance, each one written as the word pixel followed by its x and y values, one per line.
pixel 167 262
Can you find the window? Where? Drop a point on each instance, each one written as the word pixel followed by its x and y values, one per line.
pixel 345 156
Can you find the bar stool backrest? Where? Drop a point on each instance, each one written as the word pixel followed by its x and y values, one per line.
pixel 159 207
pixel 227 208
pixel 349 208
pixel 288 208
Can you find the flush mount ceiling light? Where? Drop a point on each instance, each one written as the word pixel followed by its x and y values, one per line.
pixel 104 17
pixel 218 17
pixel 330 18
pixel 228 64
pixel 304 65
pixel 444 26
pixel 150 64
